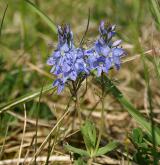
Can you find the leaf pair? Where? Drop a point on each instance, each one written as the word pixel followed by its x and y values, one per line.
pixel 88 131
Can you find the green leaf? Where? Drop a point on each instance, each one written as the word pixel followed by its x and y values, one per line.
pixel 42 15
pixel 109 147
pixel 89 135
pixel 76 150
pixel 155 10
pixel 130 108
pixel 140 119
pixel 79 162
pixel 137 135
pixel 26 98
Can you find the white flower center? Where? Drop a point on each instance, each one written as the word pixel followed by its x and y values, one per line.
pixel 110 54
pixel 62 53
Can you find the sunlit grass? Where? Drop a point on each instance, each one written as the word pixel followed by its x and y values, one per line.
pixel 28 37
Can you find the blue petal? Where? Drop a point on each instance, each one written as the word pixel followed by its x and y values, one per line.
pixel 56 54
pixel 105 50
pixel 65 48
pixel 91 62
pixel 80 53
pixel 105 69
pixel 98 47
pixel 108 64
pixel 116 43
pixel 89 52
pixel 57 70
pixel 101 59
pixel 110 35
pixel 60 88
pixel 60 84
pixel 66 67
pixel 118 52
pixel 50 61
pixel 117 62
pixel 56 82
pixel 73 75
pixel 102 29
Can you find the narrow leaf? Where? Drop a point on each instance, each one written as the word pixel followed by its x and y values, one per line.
pixel 140 119
pixel 137 135
pixel 144 123
pixel 76 150
pixel 42 15
pixel 109 147
pixel 79 162
pixel 155 10
pixel 3 20
pixel 89 135
pixel 26 98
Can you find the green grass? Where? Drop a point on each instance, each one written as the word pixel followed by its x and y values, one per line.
pixel 28 36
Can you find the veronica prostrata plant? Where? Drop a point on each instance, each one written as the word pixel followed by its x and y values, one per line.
pixel 71 65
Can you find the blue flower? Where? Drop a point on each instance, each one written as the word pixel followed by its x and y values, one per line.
pixel 64 47
pixel 65 36
pixel 102 64
pixel 106 33
pixel 113 53
pixel 115 57
pixel 74 64
pixel 67 61
pixel 59 83
pixel 105 53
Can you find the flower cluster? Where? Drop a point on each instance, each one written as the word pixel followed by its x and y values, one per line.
pixel 105 53
pixel 69 61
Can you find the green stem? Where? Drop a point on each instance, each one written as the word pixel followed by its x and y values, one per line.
pixel 102 112
pixel 76 100
pixel 77 107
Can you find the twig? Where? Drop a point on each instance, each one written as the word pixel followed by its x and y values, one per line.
pixel 38 107
pixel 28 150
pixel 82 40
pixel 53 129
pixel 29 120
pixel 39 70
pixel 102 112
pixel 4 141
pixel 24 130
pixel 65 158
pixel 135 57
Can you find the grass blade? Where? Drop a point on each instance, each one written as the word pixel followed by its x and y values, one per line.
pixel 76 150
pixel 140 119
pixel 3 20
pixel 26 98
pixel 155 10
pixel 38 108
pixel 42 15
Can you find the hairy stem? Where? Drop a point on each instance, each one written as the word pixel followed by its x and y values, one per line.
pixel 102 112
pixel 77 106
pixel 76 100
